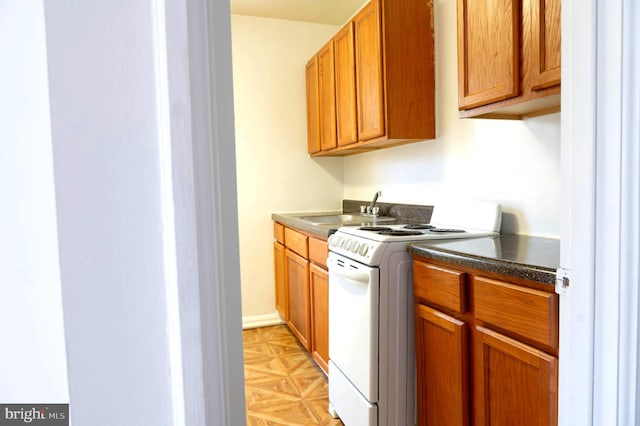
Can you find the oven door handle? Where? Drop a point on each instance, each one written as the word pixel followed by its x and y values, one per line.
pixel 354 276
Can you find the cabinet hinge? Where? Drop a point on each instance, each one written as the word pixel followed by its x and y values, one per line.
pixel 563 281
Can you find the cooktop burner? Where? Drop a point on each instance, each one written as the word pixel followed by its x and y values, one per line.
pixel 446 230
pixel 419 226
pixel 399 233
pixel 374 228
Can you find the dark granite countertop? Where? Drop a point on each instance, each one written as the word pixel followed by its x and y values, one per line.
pixel 404 213
pixel 294 220
pixel 531 258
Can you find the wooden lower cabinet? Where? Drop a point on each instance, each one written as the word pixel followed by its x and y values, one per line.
pixel 442 368
pixel 516 384
pixel 319 280
pixel 297 272
pixel 302 289
pixel 491 361
pixel 279 260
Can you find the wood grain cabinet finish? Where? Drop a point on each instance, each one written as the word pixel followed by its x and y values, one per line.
pixel 369 82
pixel 319 281
pixel 545 43
pixel 440 286
pixel 488 51
pixel 318 251
pixel 302 289
pixel 515 384
pixel 278 232
pixel 345 76
pixel 385 80
pixel 500 352
pixel 442 368
pixel 280 280
pixel 508 58
pixel 313 106
pixel 297 242
pixel 299 321
pixel 527 313
pixel 280 273
pixel 327 97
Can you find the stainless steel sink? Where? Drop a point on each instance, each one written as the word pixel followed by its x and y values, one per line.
pixel 344 218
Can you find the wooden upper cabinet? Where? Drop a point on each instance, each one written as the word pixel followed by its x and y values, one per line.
pixel 508 58
pixel 370 93
pixel 327 94
pixel 313 107
pixel 384 78
pixel 345 73
pixel 488 51
pixel 545 43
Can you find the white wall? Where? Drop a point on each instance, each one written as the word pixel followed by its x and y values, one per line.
pixel 516 163
pixel 275 173
pixel 32 360
pixel 109 194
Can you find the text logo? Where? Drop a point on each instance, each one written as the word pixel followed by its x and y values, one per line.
pixel 34 414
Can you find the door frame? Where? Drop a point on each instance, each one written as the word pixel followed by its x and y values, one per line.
pixel 600 164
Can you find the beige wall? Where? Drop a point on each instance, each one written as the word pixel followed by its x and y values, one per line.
pixel 516 163
pixel 275 173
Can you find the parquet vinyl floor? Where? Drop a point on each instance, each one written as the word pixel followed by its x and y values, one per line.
pixel 283 385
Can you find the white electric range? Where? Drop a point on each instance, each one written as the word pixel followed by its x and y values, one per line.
pixel 371 341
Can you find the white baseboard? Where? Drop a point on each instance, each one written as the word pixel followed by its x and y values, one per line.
pixel 265 320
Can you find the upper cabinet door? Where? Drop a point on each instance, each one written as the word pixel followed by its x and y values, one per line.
pixel 345 71
pixel 313 112
pixel 370 89
pixel 327 90
pixel 545 43
pixel 488 51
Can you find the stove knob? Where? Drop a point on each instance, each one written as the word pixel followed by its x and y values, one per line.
pixel 355 247
pixel 347 244
pixel 364 249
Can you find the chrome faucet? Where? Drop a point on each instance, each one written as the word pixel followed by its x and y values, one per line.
pixel 372 209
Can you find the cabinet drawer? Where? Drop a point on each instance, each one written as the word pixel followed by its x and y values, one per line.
pixel 296 241
pixel 527 312
pixel 318 251
pixel 444 287
pixel 278 232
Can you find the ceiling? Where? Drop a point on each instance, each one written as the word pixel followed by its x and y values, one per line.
pixel 332 12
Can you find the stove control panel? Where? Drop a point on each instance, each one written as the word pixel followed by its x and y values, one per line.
pixel 355 248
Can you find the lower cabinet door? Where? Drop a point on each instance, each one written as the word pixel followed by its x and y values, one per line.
pixel 280 280
pixel 319 281
pixel 515 384
pixel 442 368
pixel 297 270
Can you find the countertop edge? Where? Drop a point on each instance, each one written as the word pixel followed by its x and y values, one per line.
pixel 292 220
pixel 529 272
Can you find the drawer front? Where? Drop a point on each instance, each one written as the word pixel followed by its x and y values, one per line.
pixel 278 232
pixel 527 312
pixel 297 242
pixel 318 251
pixel 444 287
